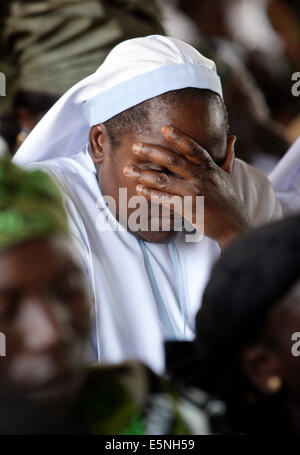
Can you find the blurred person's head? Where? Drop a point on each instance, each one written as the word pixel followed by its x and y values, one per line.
pixel 234 21
pixel 210 17
pixel 30 106
pixel 28 109
pixel 44 311
pixel 249 116
pixel 246 350
pixel 263 52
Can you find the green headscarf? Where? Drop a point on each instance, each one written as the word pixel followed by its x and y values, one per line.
pixel 30 206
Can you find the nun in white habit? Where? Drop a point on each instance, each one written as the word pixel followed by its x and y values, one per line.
pixel 147 288
pixel 286 179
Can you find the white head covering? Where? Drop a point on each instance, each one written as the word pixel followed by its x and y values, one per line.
pixel 134 71
pixel 285 178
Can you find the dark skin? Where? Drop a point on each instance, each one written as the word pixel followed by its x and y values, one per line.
pixel 184 151
pixel 272 357
pixel 44 314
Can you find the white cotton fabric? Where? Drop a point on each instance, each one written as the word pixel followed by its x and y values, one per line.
pixel 128 322
pixel 285 179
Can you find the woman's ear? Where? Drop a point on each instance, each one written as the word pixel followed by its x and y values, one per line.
pixel 98 139
pixel 260 366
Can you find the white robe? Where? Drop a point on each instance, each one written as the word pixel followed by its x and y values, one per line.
pixel 128 320
pixel 286 179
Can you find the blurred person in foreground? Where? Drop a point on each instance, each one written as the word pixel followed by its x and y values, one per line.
pixel 45 385
pixel 247 348
pixel 148 130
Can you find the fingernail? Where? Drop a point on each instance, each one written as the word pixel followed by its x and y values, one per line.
pixel 140 188
pixel 167 130
pixel 131 171
pixel 137 148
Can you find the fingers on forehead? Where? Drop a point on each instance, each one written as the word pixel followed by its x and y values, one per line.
pixel 158 179
pixel 158 154
pixel 186 145
pixel 165 182
pixel 165 158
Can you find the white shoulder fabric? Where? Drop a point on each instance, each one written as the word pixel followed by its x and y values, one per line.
pixel 285 179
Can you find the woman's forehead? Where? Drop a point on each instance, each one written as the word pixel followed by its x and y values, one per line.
pixel 203 119
pixel 39 257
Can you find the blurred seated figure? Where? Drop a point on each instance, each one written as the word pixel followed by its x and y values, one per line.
pixel 46 386
pixel 247 25
pixel 285 179
pixel 285 18
pixel 247 348
pixel 48 46
pixel 44 305
pixel 28 109
pixel 260 140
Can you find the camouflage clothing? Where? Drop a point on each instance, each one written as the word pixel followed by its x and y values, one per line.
pixel 129 399
pixel 30 206
pixel 48 46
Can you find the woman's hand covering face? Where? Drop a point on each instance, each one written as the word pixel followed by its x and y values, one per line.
pixel 190 171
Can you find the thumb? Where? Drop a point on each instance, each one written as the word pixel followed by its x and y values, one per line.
pixel 230 156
